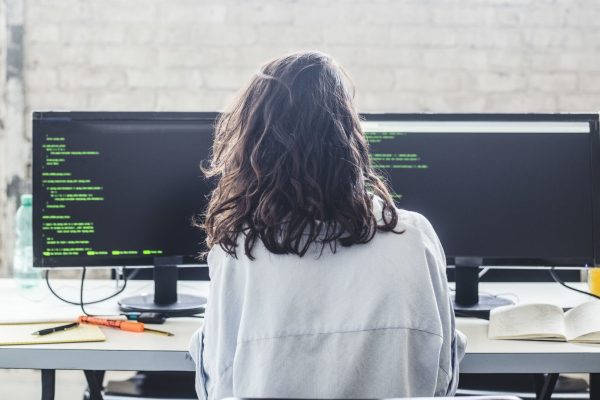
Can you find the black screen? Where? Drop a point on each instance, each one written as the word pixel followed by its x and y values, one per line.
pixel 516 192
pixel 120 191
pixel 122 188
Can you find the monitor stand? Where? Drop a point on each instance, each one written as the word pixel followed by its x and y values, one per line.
pixel 468 302
pixel 165 299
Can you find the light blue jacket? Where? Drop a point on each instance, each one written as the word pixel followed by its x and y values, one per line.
pixel 369 321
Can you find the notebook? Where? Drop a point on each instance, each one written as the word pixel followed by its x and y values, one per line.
pixel 15 334
pixel 547 322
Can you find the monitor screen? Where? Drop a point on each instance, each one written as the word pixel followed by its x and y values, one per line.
pixel 116 189
pixel 509 189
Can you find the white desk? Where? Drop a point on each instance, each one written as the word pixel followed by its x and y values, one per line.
pixel 122 351
pixel 132 352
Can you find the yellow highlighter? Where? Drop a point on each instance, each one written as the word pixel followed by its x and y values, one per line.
pixel 594 280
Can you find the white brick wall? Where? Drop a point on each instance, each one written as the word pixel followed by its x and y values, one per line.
pixel 495 55
pixel 408 55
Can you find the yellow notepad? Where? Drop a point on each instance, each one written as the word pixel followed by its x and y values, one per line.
pixel 13 334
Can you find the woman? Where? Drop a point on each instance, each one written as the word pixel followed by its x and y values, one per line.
pixel 320 287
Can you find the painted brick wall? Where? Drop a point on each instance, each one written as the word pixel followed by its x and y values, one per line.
pixel 432 55
pixel 404 55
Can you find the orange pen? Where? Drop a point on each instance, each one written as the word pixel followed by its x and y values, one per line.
pixel 129 326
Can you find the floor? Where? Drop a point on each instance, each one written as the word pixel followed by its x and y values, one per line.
pixel 24 384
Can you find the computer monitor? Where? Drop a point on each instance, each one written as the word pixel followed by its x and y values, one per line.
pixel 121 189
pixel 500 190
pixel 115 188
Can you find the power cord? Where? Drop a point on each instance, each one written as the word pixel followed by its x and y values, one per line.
pixel 81 292
pixel 81 303
pixel 561 282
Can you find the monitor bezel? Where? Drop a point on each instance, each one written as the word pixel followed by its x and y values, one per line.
pixel 136 261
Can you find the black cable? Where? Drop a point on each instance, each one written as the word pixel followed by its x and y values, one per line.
pixel 80 303
pixel 561 282
pixel 81 293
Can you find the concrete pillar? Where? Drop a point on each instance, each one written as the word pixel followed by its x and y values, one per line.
pixel 14 145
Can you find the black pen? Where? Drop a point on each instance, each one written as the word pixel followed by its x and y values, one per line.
pixel 56 329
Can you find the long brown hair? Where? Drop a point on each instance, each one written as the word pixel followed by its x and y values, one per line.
pixel 292 163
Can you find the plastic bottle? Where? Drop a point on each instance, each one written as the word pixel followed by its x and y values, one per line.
pixel 23 271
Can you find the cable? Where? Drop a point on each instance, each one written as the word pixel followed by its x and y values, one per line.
pixel 561 282
pixel 81 302
pixel 81 293
pixel 483 271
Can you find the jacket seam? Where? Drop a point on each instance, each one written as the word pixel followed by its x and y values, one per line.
pixel 338 332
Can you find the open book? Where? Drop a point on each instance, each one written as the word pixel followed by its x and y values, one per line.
pixel 547 322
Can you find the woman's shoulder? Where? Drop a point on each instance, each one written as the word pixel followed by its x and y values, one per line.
pixel 415 220
pixel 411 220
pixel 216 259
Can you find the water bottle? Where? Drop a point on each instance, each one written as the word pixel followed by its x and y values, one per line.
pixel 23 271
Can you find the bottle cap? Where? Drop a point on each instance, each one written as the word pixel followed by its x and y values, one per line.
pixel 26 199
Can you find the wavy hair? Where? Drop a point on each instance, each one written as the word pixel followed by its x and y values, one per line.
pixel 291 164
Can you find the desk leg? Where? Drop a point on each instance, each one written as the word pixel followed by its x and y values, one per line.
pixel 594 386
pixel 544 385
pixel 48 384
pixel 94 380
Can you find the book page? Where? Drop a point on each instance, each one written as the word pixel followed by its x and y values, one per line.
pixel 527 321
pixel 583 320
pixel 589 338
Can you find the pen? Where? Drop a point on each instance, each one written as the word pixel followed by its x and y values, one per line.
pixel 56 329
